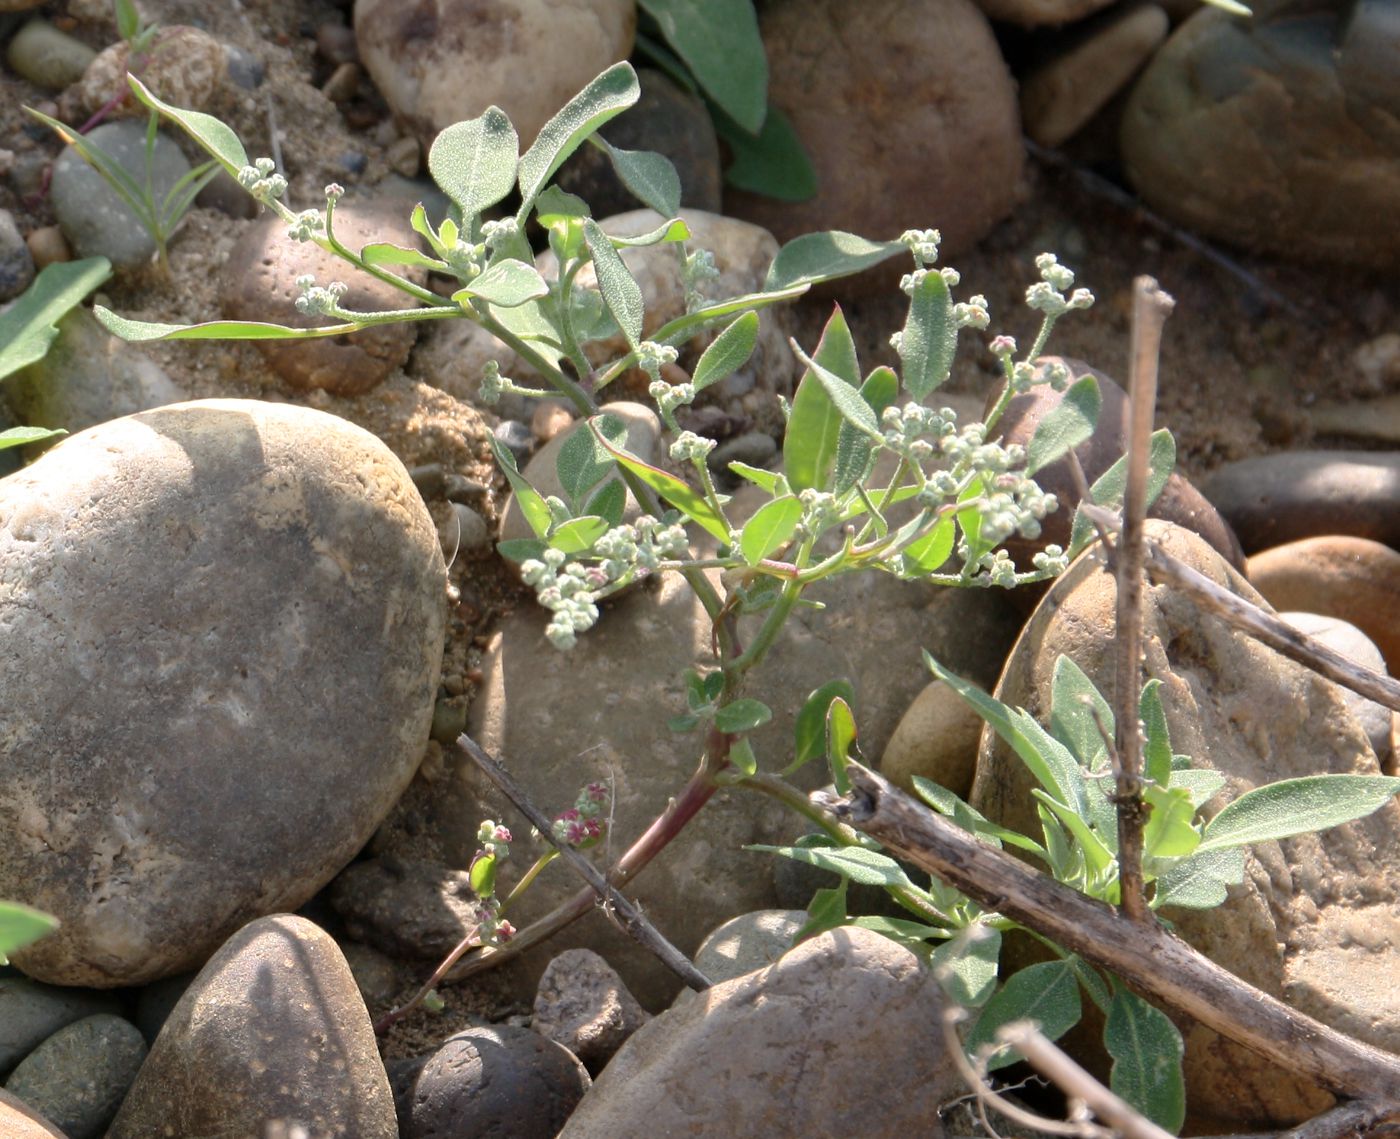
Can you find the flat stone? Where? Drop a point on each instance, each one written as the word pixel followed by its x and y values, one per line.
pixel 584 1005
pixel 79 1075
pixel 239 606
pixel 272 1029
pixel 789 1050
pixel 1273 499
pixel 1352 579
pixel 442 61
pixel 408 909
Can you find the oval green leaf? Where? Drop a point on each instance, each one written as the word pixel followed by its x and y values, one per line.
pixel 1047 993
pixel 474 162
pixel 1068 424
pixel 930 336
pixel 727 353
pixel 770 527
pixel 742 716
pixel 816 257
pixel 1298 806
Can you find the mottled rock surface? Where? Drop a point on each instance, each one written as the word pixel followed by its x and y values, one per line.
pixel 584 1005
pixel 79 1075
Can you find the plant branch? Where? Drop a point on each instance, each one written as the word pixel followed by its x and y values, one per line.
pixel 1152 961
pixel 1151 307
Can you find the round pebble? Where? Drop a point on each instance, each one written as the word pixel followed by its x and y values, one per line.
pixel 184 66
pixel 47 57
pixel 79 1075
pixel 16 260
pixel 47 246
pixel 517 437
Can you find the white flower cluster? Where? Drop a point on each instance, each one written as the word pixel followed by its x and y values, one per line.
pixel 906 428
pixel 306 225
pixel 690 447
pixel 973 314
pixel 570 590
pixel 819 511
pixel 923 244
pixel 1048 294
pixel 493 384
pixel 318 301
pixel 261 180
pixel 652 357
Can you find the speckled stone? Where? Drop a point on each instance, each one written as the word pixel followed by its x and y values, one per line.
pixel 79 1075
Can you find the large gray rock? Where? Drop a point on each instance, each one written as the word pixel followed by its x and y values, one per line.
pixel 811 1045
pixel 1307 924
pixel 79 1075
pixel 272 1030
pixel 223 625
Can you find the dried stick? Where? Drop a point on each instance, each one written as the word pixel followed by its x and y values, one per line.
pixel 1152 961
pixel 1260 624
pixel 627 915
pixel 1151 307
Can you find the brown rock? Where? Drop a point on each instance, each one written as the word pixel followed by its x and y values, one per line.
pixel 438 62
pixel 1354 579
pixel 792 1049
pixel 47 245
pixel 1039 13
pixel 19 1121
pixel 908 114
pixel 272 1030
pixel 260 284
pixel 408 909
pixel 1236 707
pixel 584 1005
pixel 936 738
pixel 183 66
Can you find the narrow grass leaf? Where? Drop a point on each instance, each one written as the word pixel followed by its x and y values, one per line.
pixel 1146 1049
pixel 1066 426
pixel 1298 806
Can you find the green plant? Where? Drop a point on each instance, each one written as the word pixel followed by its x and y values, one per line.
pixel 29 326
pixel 872 479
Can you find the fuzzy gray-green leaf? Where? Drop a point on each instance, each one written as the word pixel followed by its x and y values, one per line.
pixel 474 162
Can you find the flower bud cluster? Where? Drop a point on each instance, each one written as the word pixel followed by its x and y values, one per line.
pixel 306 225
pixel 652 357
pixel 1048 294
pixel 973 314
pixel 496 233
pixel 318 301
pixel 495 840
pixel 690 447
pixel 668 397
pixel 906 427
pixel 819 512
pixel 334 191
pixel 1052 560
pixel 583 824
pixel 639 548
pixel 262 181
pixel 493 384
pixel 923 244
pixel 491 928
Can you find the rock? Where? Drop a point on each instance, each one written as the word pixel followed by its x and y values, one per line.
pixel 516 436
pixel 407 909
pixel 93 217
pixel 47 57
pixel 584 1005
pixel 748 942
pixel 19 1121
pixel 551 417
pixel 468 532
pixel 183 66
pixel 157 1001
pixel 666 120
pixel 442 61
pixel 488 1082
pixel 260 283
pixel 756 448
pixel 87 377
pixel 374 973
pixel 1293 929
pixel 1039 13
pixel 1352 579
pixel 1352 643
pixel 789 1050
pixel 239 606
pixel 79 1075
pixel 643 433
pixel 1378 360
pixel 1066 91
pixel 1180 502
pixel 48 245
pixel 1358 419
pixel 272 1029
pixel 16 261
pixel 936 738
pixel 31 1012
pixel 910 121
pixel 1273 133
pixel 1273 499
pixel 559 733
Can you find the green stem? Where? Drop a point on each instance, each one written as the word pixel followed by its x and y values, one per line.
pixel 529 876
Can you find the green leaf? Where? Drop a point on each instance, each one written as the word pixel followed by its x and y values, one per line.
pixel 1047 993
pixel 387 253
pixel 128 21
pixel 1157 746
pixel 621 293
pixel 20 926
pixel 140 331
pixel 930 336
pixel 814 425
pixel 686 722
pixel 809 729
pixel 650 177
pixel 727 353
pixel 840 740
pixel 844 398
pixel 578 534
pixel 718 41
pixel 1199 784
pixel 19 436
pixel 1298 806
pixel 506 284
pixel 582 463
pixel 817 257
pixel 667 232
pixel 1146 1049
pixel 483 876
pixel 555 205
pixel 1092 848
pixel 770 527
pixel 772 162
pixel 609 502
pixel 1170 831
pixel 771 481
pixel 1107 490
pixel 474 162
pixel 970 819
pixel 1199 882
pixel 926 554
pixel 827 910
pixel 29 326
pixel 682 328
pixel 865 867
pixel 214 136
pixel 521 549
pixel 1073 703
pixel 680 495
pixel 605 97
pixel 1067 425
pixel 532 506
pixel 742 716
pixel 742 757
pixel 854 449
pixel 971 965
